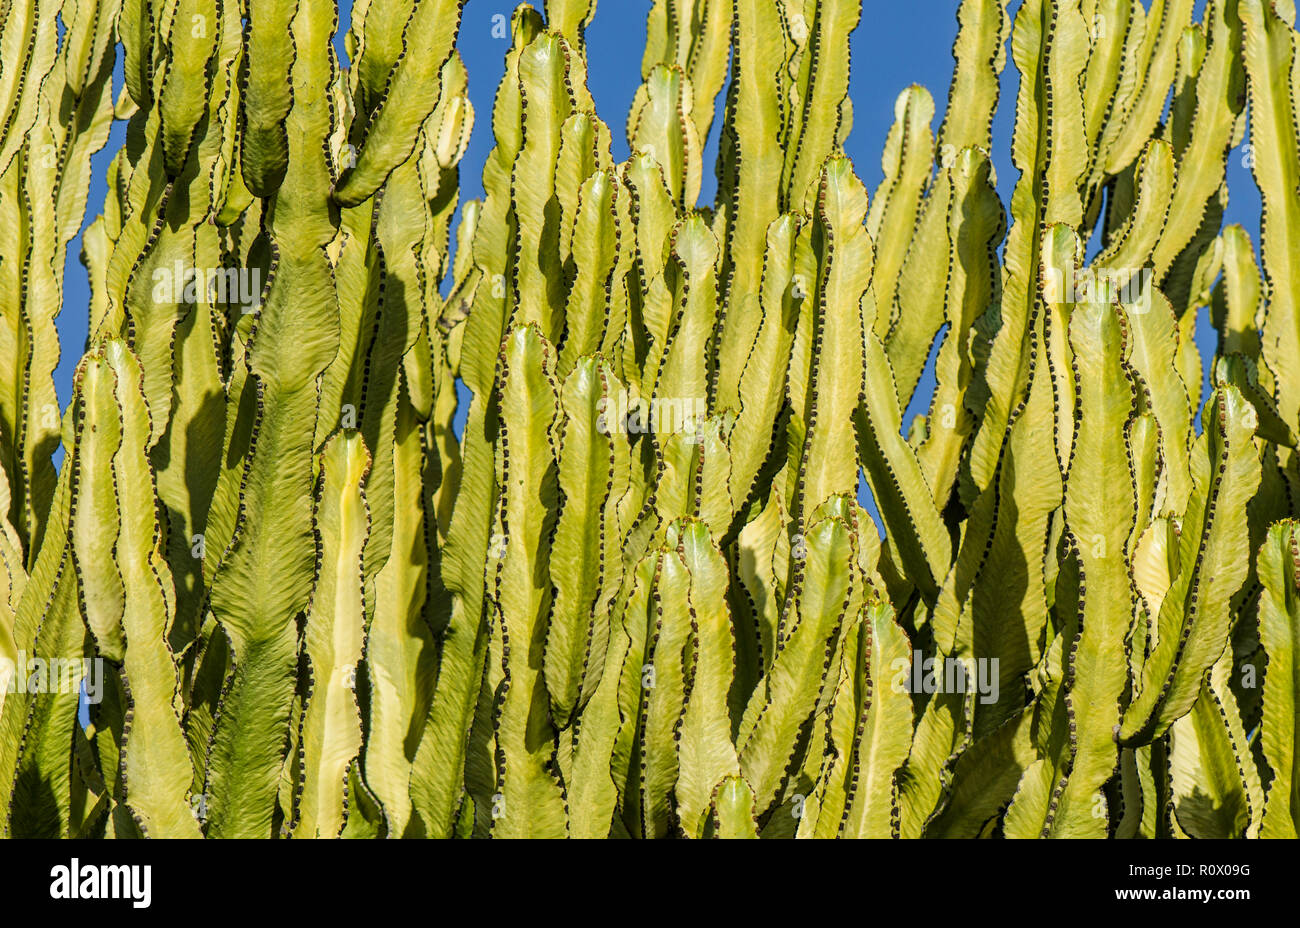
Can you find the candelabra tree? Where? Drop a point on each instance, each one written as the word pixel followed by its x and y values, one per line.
pixel 637 592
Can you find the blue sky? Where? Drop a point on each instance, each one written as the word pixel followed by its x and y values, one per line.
pixel 897 44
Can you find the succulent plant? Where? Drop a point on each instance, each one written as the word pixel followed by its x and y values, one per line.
pixel 641 590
